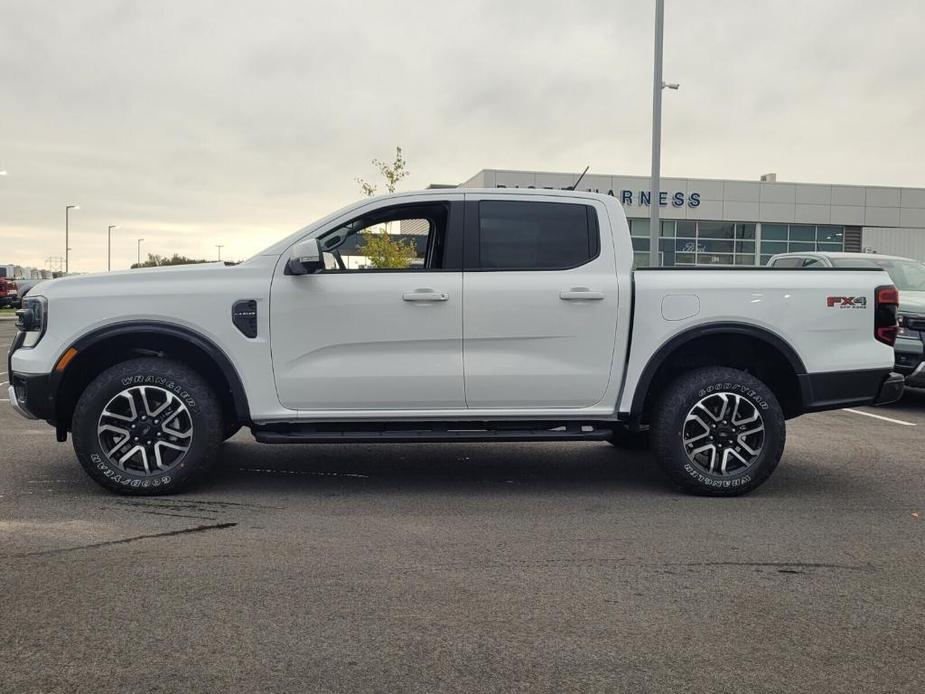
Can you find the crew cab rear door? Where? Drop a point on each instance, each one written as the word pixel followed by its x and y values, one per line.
pixel 539 301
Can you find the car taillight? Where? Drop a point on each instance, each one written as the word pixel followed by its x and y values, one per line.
pixel 886 306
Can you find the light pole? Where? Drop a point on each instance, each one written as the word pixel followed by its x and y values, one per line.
pixel 67 243
pixel 139 252
pixel 109 248
pixel 219 246
pixel 657 86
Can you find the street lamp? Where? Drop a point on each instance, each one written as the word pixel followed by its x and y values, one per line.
pixel 67 244
pixel 109 247
pixel 219 246
pixel 657 87
pixel 139 252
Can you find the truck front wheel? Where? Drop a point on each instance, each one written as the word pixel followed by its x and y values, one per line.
pixel 718 432
pixel 147 426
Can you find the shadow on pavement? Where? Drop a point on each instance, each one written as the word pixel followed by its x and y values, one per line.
pixel 913 400
pixel 464 468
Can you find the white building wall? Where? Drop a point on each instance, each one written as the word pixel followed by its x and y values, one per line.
pixel 745 201
pixel 908 243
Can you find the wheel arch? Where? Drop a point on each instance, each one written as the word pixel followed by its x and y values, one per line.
pixel 708 345
pixel 118 342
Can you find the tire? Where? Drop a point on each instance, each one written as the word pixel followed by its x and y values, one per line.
pixel 148 397
pixel 688 412
pixel 630 440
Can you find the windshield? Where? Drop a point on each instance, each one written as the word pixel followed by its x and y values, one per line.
pixel 907 275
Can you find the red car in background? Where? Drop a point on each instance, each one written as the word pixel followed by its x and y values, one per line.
pixel 9 294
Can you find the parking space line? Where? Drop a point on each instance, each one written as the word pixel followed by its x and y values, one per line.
pixel 877 416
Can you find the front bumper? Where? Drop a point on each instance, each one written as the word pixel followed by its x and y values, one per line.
pixel 14 401
pixel 915 377
pixel 31 396
pixel 910 359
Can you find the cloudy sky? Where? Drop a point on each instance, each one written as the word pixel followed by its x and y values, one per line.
pixel 191 123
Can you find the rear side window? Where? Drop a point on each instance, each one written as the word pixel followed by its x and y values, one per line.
pixel 536 235
pixel 788 262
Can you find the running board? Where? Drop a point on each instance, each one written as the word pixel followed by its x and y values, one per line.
pixel 432 433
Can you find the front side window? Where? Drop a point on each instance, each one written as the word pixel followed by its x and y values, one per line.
pixel 517 235
pixel 406 237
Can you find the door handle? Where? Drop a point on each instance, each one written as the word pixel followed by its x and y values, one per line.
pixel 580 294
pixel 424 295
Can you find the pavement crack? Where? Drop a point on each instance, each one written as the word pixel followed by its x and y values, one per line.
pixel 175 515
pixel 783 565
pixel 109 543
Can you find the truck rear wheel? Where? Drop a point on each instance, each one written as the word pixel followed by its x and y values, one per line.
pixel 718 432
pixel 147 426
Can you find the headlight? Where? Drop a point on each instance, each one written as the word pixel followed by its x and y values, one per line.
pixel 32 319
pixel 909 326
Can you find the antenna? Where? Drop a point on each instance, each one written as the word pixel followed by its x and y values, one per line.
pixel 575 184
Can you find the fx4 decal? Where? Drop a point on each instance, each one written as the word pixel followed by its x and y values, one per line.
pixel 847 302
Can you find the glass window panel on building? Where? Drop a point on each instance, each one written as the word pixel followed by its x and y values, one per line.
pixel 745 231
pixel 799 232
pixel 716 230
pixel 830 235
pixel 714 246
pixel 773 247
pixel 687 242
pixel 714 259
pixel 774 232
pixel 640 228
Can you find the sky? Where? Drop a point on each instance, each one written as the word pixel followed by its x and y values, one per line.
pixel 192 123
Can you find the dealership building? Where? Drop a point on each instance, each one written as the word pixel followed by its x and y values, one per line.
pixel 718 222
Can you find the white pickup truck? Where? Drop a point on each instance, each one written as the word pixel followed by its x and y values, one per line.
pixel 484 315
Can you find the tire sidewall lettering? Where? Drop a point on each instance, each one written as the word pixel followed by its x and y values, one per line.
pixel 737 388
pixel 161 382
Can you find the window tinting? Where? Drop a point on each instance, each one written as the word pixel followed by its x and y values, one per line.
pixel 536 235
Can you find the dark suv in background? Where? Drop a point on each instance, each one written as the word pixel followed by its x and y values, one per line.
pixel 909 277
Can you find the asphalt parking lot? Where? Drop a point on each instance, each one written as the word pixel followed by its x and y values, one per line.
pixel 469 567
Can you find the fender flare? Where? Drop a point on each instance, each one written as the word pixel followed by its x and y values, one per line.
pixel 153 327
pixel 669 347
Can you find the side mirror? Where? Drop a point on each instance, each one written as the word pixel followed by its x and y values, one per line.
pixel 305 258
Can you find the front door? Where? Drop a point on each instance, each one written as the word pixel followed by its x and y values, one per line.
pixel 540 302
pixel 381 327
